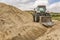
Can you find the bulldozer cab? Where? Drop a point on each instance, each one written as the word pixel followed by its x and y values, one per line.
pixel 41 9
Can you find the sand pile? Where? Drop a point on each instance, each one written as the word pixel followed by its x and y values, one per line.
pixel 15 23
pixel 18 25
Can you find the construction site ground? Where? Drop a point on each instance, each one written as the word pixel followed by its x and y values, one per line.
pixel 18 25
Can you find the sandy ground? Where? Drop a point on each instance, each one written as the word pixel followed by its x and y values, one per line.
pixel 52 33
pixel 18 25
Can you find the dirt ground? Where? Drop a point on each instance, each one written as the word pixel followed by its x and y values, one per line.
pixel 52 33
pixel 18 25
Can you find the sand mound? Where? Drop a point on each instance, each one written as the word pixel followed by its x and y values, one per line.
pixel 18 25
pixel 14 22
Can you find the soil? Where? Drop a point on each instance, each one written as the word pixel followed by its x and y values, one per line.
pixel 18 25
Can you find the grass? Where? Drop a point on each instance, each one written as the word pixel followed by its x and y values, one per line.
pixel 56 16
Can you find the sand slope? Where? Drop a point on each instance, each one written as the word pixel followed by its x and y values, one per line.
pixel 18 25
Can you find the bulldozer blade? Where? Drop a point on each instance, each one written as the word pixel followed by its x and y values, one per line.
pixel 48 24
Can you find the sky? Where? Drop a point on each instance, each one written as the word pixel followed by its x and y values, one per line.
pixel 31 4
pixel 54 6
pixel 53 1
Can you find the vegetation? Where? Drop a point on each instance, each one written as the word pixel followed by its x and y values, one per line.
pixel 55 16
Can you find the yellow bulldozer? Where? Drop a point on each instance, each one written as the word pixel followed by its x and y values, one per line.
pixel 40 15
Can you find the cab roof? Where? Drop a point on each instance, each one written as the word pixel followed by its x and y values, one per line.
pixel 41 6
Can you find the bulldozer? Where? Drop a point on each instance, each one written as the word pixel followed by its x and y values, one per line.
pixel 40 15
